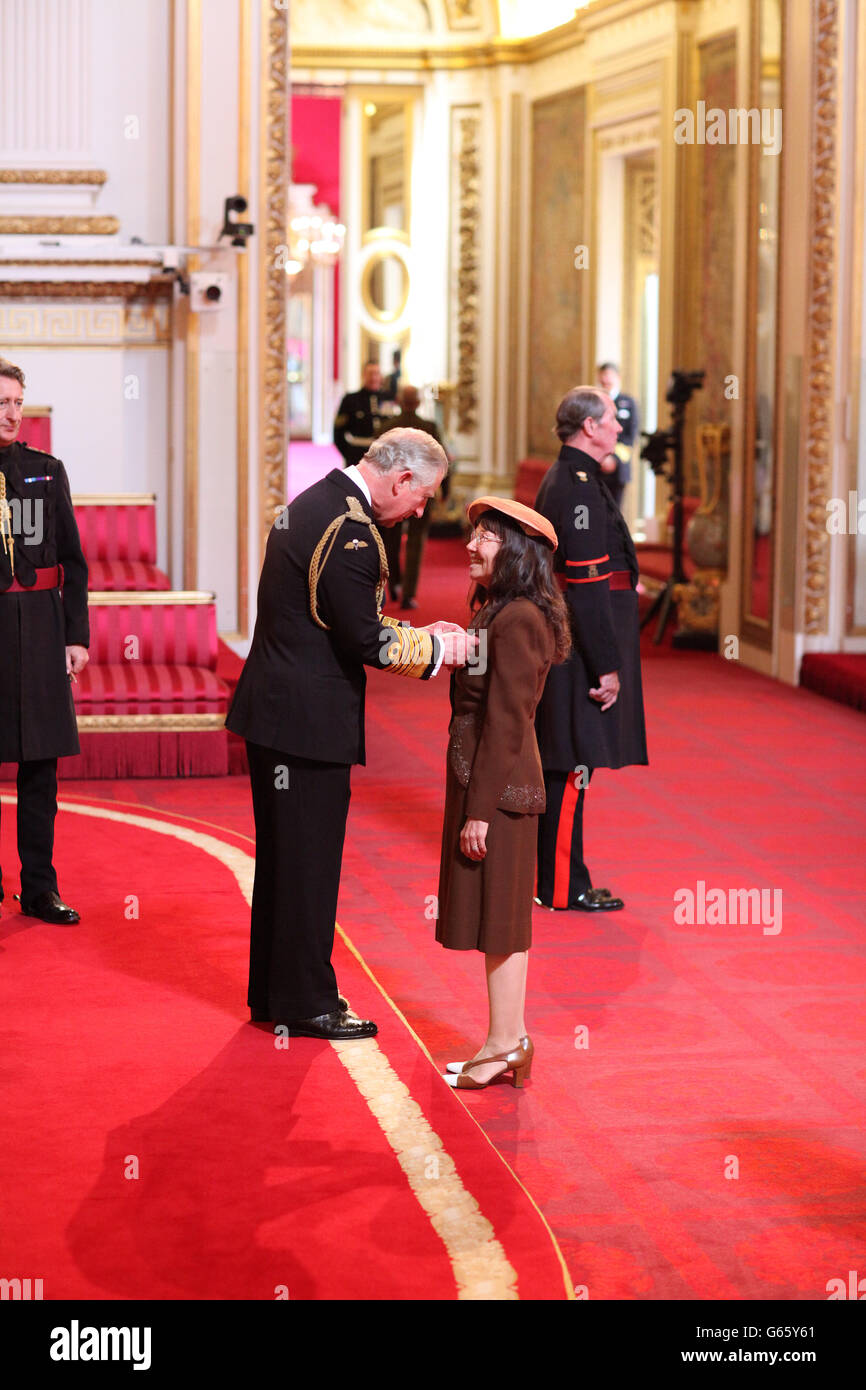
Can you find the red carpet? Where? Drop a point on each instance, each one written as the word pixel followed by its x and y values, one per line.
pixel 694 1123
pixel 164 1148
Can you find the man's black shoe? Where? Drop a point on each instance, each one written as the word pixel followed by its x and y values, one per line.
pixel 409 603
pixel 261 1016
pixel 597 900
pixel 50 907
pixel 331 1026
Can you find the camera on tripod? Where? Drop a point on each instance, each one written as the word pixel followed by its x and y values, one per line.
pixel 658 446
pixel 682 386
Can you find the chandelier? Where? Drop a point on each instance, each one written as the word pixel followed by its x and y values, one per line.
pixel 314 235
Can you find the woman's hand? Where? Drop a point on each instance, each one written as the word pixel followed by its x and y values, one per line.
pixel 473 839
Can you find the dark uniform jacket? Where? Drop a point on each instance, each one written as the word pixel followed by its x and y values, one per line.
pixel 594 543
pixel 357 423
pixel 411 420
pixel 37 717
pixel 302 688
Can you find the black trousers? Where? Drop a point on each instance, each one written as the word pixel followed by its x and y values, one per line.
pixel 37 809
pixel 300 808
pixel 562 873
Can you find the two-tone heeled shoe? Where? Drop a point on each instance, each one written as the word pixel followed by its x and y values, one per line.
pixel 456 1067
pixel 517 1064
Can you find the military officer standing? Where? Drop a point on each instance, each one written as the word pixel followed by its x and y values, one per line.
pixel 44 634
pixel 616 469
pixel 418 527
pixel 359 417
pixel 591 712
pixel 300 706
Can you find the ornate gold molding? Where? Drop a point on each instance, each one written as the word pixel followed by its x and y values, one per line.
pixel 53 176
pixel 466 159
pixel 242 437
pixel 149 723
pixel 487 54
pixel 150 598
pixel 190 321
pixel 104 261
pixel 59 226
pixel 135 322
pixel 160 287
pixel 821 313
pixel 273 234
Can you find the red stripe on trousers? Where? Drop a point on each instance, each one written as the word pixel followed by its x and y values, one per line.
pixel 562 854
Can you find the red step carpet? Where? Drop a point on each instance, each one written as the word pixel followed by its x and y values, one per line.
pixel 694 1124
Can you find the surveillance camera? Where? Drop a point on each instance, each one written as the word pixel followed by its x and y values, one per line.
pixel 207 289
pixel 240 232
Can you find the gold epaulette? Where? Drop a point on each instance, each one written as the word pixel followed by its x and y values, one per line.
pixel 411 651
pixel 326 544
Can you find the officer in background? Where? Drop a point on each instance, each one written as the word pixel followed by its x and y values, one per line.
pixel 359 418
pixel 591 712
pixel 44 634
pixel 616 468
pixel 418 527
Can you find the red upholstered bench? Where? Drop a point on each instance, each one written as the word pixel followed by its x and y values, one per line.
pixel 118 536
pixel 151 656
pixel 528 480
pixel 150 702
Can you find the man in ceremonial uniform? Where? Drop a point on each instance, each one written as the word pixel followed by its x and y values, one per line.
pixel 300 706
pixel 591 712
pixel 44 634
pixel 616 468
pixel 359 417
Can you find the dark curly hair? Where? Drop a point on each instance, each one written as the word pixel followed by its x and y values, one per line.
pixel 523 568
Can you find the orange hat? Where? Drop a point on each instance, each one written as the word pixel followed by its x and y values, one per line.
pixel 533 523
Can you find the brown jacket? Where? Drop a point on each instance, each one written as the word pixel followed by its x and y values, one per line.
pixel 492 748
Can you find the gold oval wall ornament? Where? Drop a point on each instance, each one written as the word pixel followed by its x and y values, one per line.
pixel 372 286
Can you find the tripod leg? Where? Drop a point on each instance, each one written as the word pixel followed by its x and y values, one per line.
pixel 667 601
pixel 653 608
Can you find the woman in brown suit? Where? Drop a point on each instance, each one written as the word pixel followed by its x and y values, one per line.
pixel 494 787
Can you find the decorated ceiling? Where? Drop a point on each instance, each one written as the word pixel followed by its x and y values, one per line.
pixel 330 23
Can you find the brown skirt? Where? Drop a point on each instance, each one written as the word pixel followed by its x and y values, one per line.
pixel 486 905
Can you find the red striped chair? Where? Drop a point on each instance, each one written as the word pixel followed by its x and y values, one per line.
pixel 156 657
pixel 150 703
pixel 118 536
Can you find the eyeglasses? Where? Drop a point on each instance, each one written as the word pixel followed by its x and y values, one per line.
pixel 7 404
pixel 479 536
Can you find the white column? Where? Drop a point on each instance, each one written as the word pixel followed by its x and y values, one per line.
pixel 45 83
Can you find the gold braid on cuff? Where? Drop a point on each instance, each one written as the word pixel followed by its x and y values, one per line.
pixel 411 651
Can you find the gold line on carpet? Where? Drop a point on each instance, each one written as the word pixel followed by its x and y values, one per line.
pixel 481 1268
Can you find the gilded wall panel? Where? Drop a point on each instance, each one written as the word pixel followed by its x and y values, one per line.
pixel 714 234
pixel 558 292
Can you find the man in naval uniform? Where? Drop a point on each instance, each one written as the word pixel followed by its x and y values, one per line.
pixel 616 468
pixel 359 417
pixel 591 712
pixel 300 706
pixel 44 634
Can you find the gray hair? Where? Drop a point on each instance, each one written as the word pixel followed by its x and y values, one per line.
pixel 415 450
pixel 13 373
pixel 581 403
